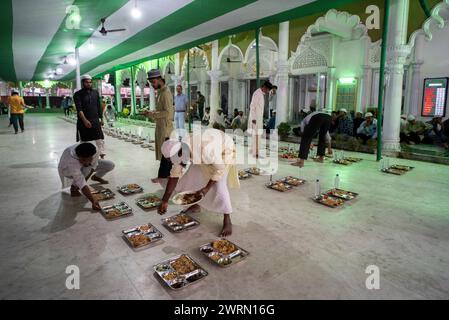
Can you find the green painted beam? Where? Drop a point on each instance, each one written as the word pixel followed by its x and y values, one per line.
pixel 300 12
pixel 7 70
pixel 191 15
pixel 91 12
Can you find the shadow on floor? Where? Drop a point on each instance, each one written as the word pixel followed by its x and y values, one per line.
pixel 60 209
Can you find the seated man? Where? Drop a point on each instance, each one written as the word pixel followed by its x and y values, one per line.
pixel 237 121
pixel 436 135
pixel 212 155
pixel 368 129
pixel 109 115
pixel 345 124
pixel 78 163
pixel 358 120
pixel 206 117
pixel 413 130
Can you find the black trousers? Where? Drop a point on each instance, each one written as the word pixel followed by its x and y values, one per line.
pixel 320 123
pixel 17 117
pixel 164 167
pixel 411 137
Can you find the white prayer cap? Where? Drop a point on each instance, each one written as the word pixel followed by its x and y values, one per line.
pixel 368 114
pixel 170 148
pixel 411 117
pixel 343 110
pixel 86 77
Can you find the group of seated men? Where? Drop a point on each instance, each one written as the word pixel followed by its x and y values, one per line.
pixel 362 127
pixel 435 131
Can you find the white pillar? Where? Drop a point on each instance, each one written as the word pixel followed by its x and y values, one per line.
pixel 77 68
pixel 397 53
pixel 282 75
pixel 214 74
pixel 365 86
pixel 330 89
pixel 47 98
pixel 318 91
pixel 416 88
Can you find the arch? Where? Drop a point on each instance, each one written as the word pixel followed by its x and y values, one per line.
pixel 200 56
pixel 266 45
pixel 435 20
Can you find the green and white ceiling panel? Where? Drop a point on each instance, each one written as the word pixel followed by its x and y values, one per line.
pixel 35 37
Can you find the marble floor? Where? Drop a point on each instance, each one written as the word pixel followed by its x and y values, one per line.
pixel 298 249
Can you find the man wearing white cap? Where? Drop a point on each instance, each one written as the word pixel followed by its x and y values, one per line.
pixel 368 129
pixel 90 114
pixel 413 130
pixel 212 157
pixel 345 123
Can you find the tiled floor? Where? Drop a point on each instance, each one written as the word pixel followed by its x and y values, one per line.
pixel 299 250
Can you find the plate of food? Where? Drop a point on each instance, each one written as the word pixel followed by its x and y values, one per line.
pixel 394 171
pixel 187 198
pixel 279 186
pixel 142 236
pixel 289 156
pixel 180 222
pixel 342 161
pixel 342 194
pixel 401 167
pixel 148 201
pixel 116 211
pixel 223 252
pixel 131 188
pixel 352 159
pixel 257 171
pixel 101 195
pixel 244 175
pixel 329 201
pixel 295 182
pixel 180 271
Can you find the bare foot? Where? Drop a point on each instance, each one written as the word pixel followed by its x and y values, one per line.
pixel 299 163
pixel 227 226
pixel 98 179
pixel 319 159
pixel 192 209
pixel 156 180
pixel 74 191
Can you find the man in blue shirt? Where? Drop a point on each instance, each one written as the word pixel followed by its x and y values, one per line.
pixel 181 105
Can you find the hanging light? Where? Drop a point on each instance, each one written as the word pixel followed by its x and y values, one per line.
pixel 135 12
pixel 65 60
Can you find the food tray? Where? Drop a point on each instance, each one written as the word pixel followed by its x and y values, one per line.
pixel 223 259
pixel 279 186
pixel 179 198
pixel 149 233
pixel 290 156
pixel 342 162
pixel 351 159
pixel 137 142
pixel 401 167
pixel 337 202
pixel 131 188
pixel 104 194
pixel 121 209
pixel 177 226
pixel 149 201
pixel 292 181
pixel 342 194
pixel 256 171
pixel 179 280
pixel 394 171
pixel 243 175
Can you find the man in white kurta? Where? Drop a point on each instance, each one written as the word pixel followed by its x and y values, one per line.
pixel 255 119
pixel 211 154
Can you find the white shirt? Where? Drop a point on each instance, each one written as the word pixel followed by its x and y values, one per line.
pixel 70 167
pixel 256 110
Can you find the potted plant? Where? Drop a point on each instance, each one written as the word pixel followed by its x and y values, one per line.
pixel 284 130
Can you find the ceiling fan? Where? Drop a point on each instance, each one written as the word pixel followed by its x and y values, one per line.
pixel 103 30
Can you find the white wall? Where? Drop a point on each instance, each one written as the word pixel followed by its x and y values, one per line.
pixel 436 61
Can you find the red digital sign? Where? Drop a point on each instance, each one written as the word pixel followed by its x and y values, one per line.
pixel 435 97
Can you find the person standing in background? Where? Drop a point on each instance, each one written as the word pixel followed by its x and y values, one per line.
pixel 201 101
pixel 163 116
pixel 16 108
pixel 256 114
pixel 90 116
pixel 273 100
pixel 181 105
